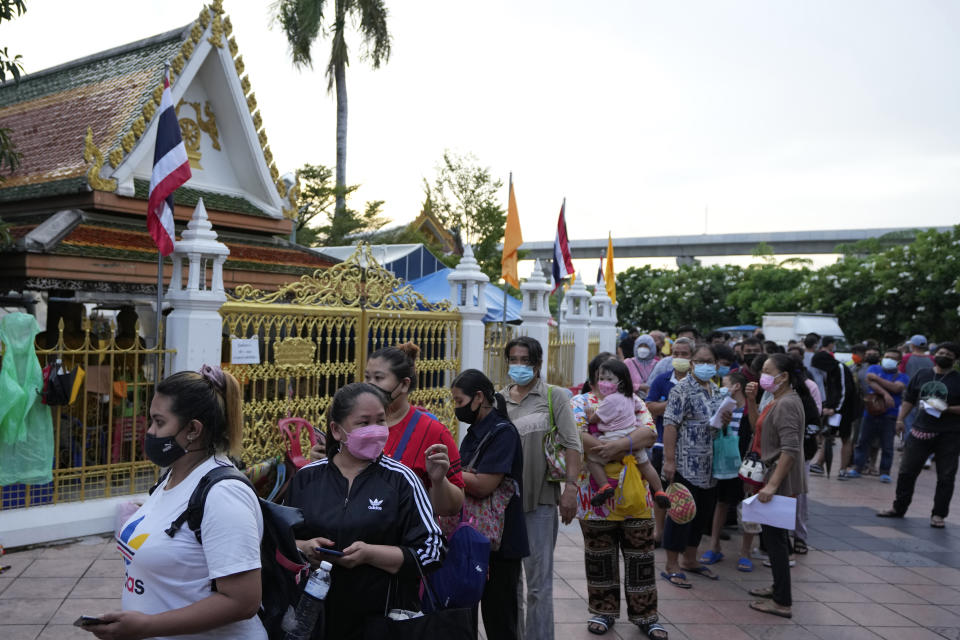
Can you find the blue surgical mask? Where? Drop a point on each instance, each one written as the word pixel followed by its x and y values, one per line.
pixel 520 373
pixel 724 392
pixel 704 372
pixel 723 370
pixel 888 364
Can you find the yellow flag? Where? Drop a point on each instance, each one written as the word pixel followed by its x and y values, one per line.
pixel 608 277
pixel 512 239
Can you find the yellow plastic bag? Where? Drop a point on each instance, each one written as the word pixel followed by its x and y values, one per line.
pixel 630 498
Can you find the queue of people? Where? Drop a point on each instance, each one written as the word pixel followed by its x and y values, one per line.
pixel 642 421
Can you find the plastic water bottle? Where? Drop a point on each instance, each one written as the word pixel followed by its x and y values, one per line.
pixel 310 608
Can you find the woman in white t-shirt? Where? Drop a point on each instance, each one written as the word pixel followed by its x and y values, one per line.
pixel 195 419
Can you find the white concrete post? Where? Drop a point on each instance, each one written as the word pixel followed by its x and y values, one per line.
pixel 576 303
pixel 536 311
pixel 194 327
pixel 468 292
pixel 603 318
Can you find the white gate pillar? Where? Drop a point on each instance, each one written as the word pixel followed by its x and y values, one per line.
pixel 604 319
pixel 577 321
pixel 536 311
pixel 194 327
pixel 468 291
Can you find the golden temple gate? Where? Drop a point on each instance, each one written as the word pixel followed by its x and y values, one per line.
pixel 314 336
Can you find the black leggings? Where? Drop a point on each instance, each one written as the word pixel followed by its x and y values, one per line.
pixel 499 603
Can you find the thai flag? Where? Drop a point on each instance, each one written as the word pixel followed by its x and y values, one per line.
pixel 562 262
pixel 171 168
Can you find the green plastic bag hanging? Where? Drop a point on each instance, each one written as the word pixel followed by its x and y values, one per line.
pixel 26 427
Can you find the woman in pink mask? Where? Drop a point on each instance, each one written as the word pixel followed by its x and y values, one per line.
pixel 366 513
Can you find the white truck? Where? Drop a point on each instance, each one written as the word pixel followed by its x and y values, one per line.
pixel 783 327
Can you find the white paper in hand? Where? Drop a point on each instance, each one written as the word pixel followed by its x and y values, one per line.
pixel 728 404
pixel 780 512
pixel 834 420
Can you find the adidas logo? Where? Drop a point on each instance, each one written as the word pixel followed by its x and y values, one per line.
pixel 375 504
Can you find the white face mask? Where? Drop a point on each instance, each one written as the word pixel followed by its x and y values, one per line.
pixel 643 353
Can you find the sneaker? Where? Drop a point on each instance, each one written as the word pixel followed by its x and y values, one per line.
pixel 885 478
pixel 852 473
pixel 816 469
pixel 843 475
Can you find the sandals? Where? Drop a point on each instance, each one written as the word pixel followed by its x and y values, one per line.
pixel 769 606
pixel 653 630
pixel 711 557
pixel 762 592
pixel 705 572
pixel 600 624
pixel 745 565
pixel 603 494
pixel 937 522
pixel 800 546
pixel 677 579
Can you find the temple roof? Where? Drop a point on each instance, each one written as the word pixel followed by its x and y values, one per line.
pixel 90 123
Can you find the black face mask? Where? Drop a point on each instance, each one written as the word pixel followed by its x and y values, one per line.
pixel 871 359
pixel 465 414
pixel 944 362
pixel 389 394
pixel 162 451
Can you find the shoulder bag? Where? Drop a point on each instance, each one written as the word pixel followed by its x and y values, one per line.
pixel 552 450
pixel 486 515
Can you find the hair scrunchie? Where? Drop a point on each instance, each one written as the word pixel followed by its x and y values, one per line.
pixel 215 376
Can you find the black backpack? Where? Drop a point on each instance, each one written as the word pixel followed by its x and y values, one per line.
pixel 282 564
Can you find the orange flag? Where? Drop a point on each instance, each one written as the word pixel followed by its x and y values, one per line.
pixel 609 279
pixel 512 239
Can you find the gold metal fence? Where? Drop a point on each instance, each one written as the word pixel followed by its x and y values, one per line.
pixel 560 358
pixel 495 338
pixel 593 346
pixel 315 335
pixel 98 437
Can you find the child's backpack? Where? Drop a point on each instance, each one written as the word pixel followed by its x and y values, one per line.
pixel 282 564
pixel 459 583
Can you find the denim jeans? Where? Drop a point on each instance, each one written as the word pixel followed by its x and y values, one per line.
pixel 871 427
pixel 946 446
pixel 543 524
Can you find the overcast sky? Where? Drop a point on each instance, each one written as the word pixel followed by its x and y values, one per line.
pixel 768 115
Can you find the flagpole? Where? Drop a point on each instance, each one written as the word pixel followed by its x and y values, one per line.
pixel 159 347
pixel 563 207
pixel 504 323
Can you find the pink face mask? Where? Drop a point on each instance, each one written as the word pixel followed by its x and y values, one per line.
pixel 607 387
pixel 767 383
pixel 366 443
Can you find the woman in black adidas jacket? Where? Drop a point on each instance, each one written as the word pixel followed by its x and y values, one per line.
pixel 371 508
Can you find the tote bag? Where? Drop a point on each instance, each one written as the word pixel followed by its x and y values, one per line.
pixel 445 624
pixel 726 455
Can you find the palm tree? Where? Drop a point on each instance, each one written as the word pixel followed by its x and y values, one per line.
pixel 302 22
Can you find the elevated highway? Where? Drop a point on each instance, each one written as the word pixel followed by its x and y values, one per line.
pixel 723 244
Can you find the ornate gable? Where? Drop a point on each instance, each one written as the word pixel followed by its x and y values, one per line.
pixel 93 120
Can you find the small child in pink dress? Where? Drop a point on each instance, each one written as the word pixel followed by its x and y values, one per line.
pixel 616 417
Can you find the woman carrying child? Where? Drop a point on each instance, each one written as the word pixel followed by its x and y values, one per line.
pixel 606 533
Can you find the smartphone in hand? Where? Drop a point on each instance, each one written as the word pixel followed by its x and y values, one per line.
pixel 332 552
pixel 88 621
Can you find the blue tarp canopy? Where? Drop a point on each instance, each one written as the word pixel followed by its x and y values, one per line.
pixel 739 327
pixel 407 261
pixel 435 288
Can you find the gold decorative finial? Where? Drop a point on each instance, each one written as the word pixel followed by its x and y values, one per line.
pixel 116 157
pixel 93 155
pixel 204 17
pixel 238 65
pixel 216 32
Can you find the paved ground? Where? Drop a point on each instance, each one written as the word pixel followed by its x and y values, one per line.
pixel 864 578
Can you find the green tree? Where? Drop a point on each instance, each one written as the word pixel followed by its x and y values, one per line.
pixel 464 197
pixel 317 202
pixel 10 66
pixel 653 298
pixel 302 22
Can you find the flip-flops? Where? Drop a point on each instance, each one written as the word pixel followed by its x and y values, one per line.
pixel 673 579
pixel 606 622
pixel 937 522
pixel 745 565
pixel 705 572
pixel 711 557
pixel 889 513
pixel 653 630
